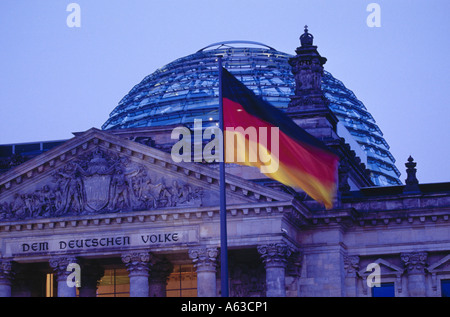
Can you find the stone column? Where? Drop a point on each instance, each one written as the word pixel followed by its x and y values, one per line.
pixel 59 266
pixel 274 257
pixel 415 263
pixel 138 267
pixel 158 278
pixel 6 277
pixel 90 277
pixel 205 262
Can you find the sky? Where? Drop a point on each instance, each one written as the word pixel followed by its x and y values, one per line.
pixel 57 79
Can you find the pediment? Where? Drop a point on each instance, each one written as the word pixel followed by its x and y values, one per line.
pixel 441 266
pixel 386 269
pixel 97 172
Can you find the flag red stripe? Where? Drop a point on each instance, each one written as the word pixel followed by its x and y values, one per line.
pixel 292 154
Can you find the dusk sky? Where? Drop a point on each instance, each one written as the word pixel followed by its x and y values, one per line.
pixel 57 79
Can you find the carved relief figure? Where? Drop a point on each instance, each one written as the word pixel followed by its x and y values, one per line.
pixel 120 193
pixel 99 183
pixel 148 194
pixel 72 189
pixel 18 206
pixel 317 72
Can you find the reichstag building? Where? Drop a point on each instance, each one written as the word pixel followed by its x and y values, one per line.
pixel 112 202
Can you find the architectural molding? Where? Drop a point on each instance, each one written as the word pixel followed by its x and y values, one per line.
pixel 441 267
pixel 275 254
pixel 351 265
pixel 59 265
pixel 150 216
pixel 204 258
pixel 392 271
pixel 137 263
pixel 415 262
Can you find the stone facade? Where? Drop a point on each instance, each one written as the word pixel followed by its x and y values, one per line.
pixel 117 197
pixel 280 244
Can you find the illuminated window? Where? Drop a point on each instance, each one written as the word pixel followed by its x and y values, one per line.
pixel 114 283
pixel 50 286
pixel 182 282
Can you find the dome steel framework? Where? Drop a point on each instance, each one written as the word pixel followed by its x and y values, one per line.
pixel 188 89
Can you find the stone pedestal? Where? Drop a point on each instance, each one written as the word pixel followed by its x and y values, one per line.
pixel 415 263
pixel 138 266
pixel 275 257
pixel 6 276
pixel 59 266
pixel 205 262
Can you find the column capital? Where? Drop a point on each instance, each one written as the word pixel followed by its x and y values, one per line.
pixel 59 265
pixel 137 263
pixel 6 272
pixel 274 254
pixel 205 259
pixel 161 270
pixel 415 262
pixel 351 265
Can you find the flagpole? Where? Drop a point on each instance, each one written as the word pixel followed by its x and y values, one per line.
pixel 223 208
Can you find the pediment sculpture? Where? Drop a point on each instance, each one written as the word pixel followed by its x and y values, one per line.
pixel 100 182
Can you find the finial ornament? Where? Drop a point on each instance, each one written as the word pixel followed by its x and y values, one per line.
pixel 306 39
pixel 307 68
pixel 412 184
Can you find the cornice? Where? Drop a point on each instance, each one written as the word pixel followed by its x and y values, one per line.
pixel 161 216
pixel 354 217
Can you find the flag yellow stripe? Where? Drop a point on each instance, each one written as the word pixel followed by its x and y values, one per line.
pixel 245 148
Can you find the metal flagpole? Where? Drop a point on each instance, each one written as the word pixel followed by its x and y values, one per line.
pixel 223 203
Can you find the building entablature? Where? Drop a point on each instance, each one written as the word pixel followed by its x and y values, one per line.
pixel 101 193
pixel 383 210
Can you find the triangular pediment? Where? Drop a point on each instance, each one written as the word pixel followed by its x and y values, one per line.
pixel 386 269
pixel 442 265
pixel 97 172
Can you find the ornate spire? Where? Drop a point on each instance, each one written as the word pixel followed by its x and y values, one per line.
pixel 307 67
pixel 306 39
pixel 412 184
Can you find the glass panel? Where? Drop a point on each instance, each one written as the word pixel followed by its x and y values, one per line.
pixel 114 283
pixel 445 288
pixel 191 83
pixel 385 290
pixel 182 282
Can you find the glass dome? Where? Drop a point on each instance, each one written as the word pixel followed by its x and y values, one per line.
pixel 188 89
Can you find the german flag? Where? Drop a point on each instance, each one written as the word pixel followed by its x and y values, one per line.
pixel 258 134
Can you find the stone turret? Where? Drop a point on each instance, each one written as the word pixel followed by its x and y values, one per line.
pixel 309 107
